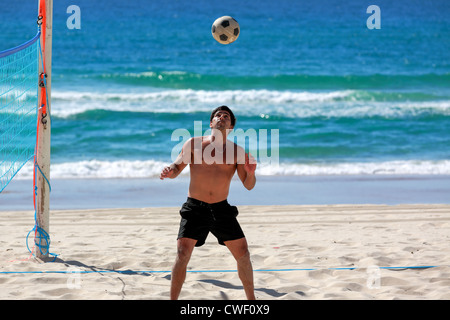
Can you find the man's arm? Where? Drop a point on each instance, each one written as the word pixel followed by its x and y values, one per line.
pixel 184 158
pixel 246 172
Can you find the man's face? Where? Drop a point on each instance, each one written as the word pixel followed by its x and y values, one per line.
pixel 221 120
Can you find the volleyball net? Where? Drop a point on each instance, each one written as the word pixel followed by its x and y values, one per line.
pixel 24 103
pixel 18 107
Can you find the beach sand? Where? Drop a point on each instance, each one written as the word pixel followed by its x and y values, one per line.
pixel 128 253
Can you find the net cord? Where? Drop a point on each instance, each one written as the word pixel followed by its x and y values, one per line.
pixel 24 45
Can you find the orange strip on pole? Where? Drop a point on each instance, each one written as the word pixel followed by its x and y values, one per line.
pixel 42 13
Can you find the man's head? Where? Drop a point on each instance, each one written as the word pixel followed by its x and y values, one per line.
pixel 223 109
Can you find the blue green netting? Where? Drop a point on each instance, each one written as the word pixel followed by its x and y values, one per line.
pixel 18 108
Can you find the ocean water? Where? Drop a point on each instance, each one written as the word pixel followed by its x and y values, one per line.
pixel 338 97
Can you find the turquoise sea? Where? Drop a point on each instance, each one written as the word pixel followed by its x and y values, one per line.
pixel 344 99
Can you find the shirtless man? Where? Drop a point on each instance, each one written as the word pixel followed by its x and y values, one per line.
pixel 213 160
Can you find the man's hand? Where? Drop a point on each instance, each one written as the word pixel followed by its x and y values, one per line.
pixel 250 163
pixel 167 172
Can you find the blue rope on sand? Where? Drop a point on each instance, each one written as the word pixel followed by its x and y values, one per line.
pixel 40 234
pixel 205 271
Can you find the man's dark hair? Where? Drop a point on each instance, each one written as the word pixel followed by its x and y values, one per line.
pixel 223 108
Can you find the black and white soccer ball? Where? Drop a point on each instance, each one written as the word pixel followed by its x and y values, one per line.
pixel 225 30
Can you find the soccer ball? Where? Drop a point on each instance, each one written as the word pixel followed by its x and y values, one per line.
pixel 225 30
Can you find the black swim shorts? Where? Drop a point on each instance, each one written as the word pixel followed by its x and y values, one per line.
pixel 198 218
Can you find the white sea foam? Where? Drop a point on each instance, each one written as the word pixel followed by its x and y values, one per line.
pixel 254 102
pixel 400 167
pixel 189 95
pixel 151 169
pixel 99 169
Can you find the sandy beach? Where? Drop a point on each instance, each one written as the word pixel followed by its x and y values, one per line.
pixel 297 254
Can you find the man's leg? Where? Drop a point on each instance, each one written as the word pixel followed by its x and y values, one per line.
pixel 185 246
pixel 239 249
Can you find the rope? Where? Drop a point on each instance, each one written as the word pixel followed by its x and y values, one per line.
pixel 208 271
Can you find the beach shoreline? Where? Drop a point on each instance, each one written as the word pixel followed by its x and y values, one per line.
pixel 269 190
pixel 363 237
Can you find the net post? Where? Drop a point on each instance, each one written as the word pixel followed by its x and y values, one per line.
pixel 44 130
